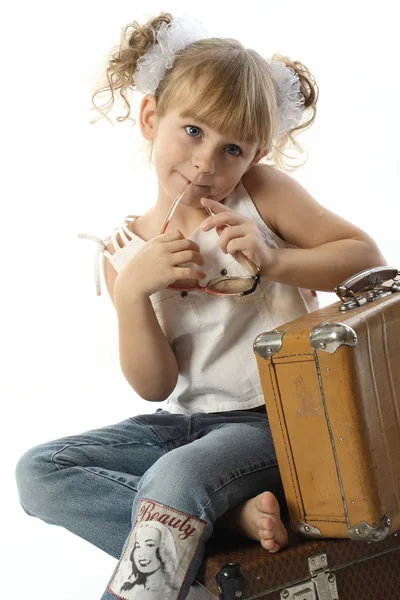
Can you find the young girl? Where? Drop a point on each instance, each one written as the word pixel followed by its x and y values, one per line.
pixel 231 248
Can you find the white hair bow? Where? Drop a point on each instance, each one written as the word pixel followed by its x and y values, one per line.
pixel 181 32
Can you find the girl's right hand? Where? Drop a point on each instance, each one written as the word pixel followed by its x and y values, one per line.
pixel 158 264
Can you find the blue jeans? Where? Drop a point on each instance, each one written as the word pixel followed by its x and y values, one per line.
pixel 162 477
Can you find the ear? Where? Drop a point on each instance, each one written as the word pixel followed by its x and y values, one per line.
pixel 148 117
pixel 259 156
pixel 257 159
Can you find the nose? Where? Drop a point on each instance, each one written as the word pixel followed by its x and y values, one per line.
pixel 204 160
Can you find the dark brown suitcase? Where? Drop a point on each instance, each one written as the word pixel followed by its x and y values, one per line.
pixel 327 569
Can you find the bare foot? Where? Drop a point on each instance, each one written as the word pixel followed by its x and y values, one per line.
pixel 259 519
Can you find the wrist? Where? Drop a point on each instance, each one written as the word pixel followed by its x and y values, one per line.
pixel 269 262
pixel 124 294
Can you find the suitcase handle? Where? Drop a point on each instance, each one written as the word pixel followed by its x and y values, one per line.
pixel 368 286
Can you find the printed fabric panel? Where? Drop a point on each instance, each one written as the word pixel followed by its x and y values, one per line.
pixel 158 554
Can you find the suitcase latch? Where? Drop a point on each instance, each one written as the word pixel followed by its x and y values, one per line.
pixel 321 586
pixel 368 286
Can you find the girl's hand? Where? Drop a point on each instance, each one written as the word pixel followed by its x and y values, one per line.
pixel 158 264
pixel 238 234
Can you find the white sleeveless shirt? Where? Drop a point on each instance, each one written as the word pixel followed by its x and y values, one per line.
pixel 212 336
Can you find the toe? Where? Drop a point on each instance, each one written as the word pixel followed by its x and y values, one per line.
pixel 266 534
pixel 268 503
pixel 265 523
pixel 270 545
pixel 276 548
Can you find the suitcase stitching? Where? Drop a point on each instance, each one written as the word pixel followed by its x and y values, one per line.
pixel 332 441
pixel 300 354
pixel 283 437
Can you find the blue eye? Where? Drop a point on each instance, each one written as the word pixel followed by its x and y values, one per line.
pixel 197 132
pixel 191 128
pixel 236 150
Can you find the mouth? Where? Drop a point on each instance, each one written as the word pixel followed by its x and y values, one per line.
pixel 195 184
pixel 144 563
pixel 204 187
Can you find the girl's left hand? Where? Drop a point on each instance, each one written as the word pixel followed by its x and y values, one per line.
pixel 238 234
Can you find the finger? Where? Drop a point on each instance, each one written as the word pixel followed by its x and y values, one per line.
pixel 238 244
pixel 240 249
pixel 224 219
pixel 171 234
pixel 183 244
pixel 188 256
pixel 231 233
pixel 188 273
pixel 219 230
pixel 215 205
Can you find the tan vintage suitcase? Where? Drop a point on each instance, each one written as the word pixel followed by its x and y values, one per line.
pixel 331 382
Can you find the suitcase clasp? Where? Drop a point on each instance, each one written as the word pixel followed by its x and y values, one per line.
pixel 321 586
pixel 368 286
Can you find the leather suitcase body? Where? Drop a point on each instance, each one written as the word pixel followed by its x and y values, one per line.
pixel 324 569
pixel 331 382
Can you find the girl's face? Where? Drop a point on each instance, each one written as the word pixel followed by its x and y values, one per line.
pixel 144 552
pixel 186 150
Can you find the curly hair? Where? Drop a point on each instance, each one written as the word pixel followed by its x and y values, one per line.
pixel 217 81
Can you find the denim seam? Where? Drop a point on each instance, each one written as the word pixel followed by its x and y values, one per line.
pixel 93 444
pixel 108 477
pixel 154 430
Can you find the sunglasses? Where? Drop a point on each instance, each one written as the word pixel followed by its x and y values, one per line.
pixel 229 285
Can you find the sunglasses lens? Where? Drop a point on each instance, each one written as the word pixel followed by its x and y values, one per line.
pixel 231 285
pixel 221 285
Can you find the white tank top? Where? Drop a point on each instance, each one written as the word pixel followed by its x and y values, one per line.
pixel 212 337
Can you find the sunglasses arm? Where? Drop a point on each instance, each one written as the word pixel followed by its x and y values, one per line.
pixel 172 209
pixel 251 264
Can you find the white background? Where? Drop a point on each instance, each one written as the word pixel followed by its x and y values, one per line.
pixel 62 176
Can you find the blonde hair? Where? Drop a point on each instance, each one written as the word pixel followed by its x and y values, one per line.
pixel 216 81
pixel 166 552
